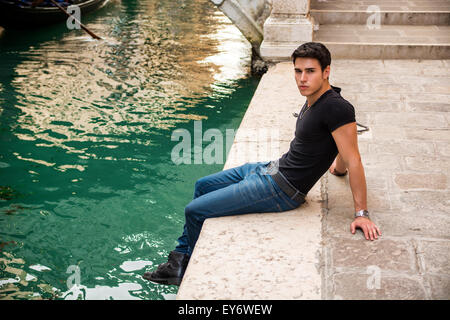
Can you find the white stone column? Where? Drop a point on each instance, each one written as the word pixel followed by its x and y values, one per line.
pixel 288 26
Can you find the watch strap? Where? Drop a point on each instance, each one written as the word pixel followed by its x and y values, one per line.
pixel 362 213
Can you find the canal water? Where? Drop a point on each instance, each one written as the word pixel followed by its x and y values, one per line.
pixel 90 197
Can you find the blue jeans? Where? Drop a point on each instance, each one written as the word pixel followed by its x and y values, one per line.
pixel 243 189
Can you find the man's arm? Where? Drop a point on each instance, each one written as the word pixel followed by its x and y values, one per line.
pixel 347 143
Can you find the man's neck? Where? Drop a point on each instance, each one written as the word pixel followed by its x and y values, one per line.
pixel 316 95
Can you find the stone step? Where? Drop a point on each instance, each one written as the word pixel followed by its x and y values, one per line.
pixel 397 5
pixel 359 42
pixel 385 17
pixel 282 29
pixel 387 42
pixel 278 51
pixel 401 12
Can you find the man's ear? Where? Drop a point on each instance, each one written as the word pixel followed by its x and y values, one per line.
pixel 326 72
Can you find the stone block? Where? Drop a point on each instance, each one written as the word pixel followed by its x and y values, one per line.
pixel 436 255
pixel 402 148
pixel 391 133
pixel 363 146
pixel 277 51
pixel 429 134
pixel 414 224
pixel 387 18
pixel 264 128
pixel 442 148
pixel 254 151
pixel 422 68
pixel 424 200
pixel 378 106
pixel 385 254
pixel 257 256
pixel 376 181
pixel 409 181
pixel 441 88
pixel 364 286
pixel 427 164
pixel 415 119
pixel 374 163
pixel 290 7
pixel 376 48
pixel 287 27
pixel 440 286
pixel 298 29
pixel 344 199
pixel 337 223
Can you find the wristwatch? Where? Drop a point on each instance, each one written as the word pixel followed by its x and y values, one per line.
pixel 362 213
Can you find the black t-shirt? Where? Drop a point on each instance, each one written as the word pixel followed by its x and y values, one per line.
pixel 313 149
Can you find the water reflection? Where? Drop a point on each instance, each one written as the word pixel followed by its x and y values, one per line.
pixel 125 291
pixel 139 79
pixel 85 171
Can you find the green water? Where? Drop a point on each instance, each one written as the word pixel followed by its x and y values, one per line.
pixel 86 176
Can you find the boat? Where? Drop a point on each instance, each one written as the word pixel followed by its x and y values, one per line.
pixel 19 14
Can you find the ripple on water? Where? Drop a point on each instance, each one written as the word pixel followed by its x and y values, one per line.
pixel 85 131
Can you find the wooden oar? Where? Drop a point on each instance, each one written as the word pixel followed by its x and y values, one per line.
pixel 93 35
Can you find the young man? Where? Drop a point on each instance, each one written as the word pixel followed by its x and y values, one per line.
pixel 325 138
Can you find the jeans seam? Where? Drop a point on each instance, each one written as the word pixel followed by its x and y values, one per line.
pixel 272 188
pixel 288 203
pixel 264 199
pixel 201 189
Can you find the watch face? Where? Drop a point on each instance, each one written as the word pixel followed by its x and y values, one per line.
pixel 362 213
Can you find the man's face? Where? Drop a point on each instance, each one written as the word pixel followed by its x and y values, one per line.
pixel 309 75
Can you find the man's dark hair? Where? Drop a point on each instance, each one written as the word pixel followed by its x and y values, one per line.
pixel 314 50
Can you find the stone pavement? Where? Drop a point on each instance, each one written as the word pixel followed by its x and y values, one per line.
pixel 406 156
pixel 309 252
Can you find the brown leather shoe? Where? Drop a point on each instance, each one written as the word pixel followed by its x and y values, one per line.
pixel 170 272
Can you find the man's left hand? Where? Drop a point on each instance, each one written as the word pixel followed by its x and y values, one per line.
pixel 367 226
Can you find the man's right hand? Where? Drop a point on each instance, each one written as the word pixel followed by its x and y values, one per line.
pixel 367 226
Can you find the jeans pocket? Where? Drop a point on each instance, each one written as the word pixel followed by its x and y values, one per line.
pixel 284 201
pixel 264 167
pixel 291 203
